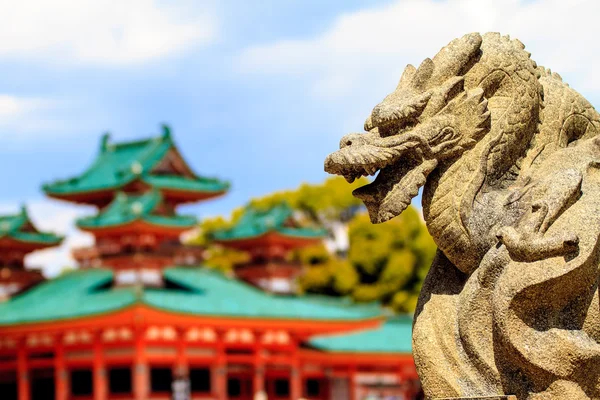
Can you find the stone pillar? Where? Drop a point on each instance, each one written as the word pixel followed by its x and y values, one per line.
pixel 99 370
pixel 141 382
pixel 22 372
pixel 61 379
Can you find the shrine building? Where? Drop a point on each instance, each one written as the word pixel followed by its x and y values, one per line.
pixel 142 317
pixel 19 237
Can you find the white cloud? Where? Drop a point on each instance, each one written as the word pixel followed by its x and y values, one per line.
pixel 109 32
pixel 364 52
pixel 59 218
pixel 13 107
pixel 20 114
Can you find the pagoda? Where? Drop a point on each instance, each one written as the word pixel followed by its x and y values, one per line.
pixel 127 326
pixel 269 236
pixel 137 187
pixel 19 237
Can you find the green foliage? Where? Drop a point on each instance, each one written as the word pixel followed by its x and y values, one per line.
pixel 386 262
pixel 223 259
pixel 216 256
pixel 327 201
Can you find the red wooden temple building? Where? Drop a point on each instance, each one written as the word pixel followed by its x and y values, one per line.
pixel 142 319
pixel 19 237
pixel 268 236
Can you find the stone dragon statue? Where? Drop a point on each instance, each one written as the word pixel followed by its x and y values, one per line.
pixel 508 157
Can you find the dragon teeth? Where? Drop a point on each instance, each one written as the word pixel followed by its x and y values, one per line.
pixel 371 170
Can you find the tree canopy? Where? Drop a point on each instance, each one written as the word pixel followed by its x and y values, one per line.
pixel 385 262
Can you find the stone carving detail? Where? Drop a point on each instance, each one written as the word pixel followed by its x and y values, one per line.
pixel 507 155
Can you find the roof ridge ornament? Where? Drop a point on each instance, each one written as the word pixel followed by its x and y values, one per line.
pixel 136 168
pixel 166 131
pixel 104 142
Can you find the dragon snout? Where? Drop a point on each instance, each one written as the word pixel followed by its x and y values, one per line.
pixel 353 139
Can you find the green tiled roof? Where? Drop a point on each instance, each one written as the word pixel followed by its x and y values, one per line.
pixel 125 209
pixel 200 184
pixel 19 227
pixel 209 293
pixel 394 336
pixel 118 164
pixel 256 222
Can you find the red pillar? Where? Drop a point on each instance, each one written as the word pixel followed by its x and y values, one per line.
pixel 220 369
pixel 181 362
pixel 141 383
pixel 352 383
pixel 401 382
pixel 258 381
pixel 60 371
pixel 295 373
pixel 22 372
pixel 100 387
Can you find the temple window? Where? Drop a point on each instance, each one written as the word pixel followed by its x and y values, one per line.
pixel 8 385
pixel 234 387
pixel 312 387
pixel 81 382
pixel 200 380
pixel 41 383
pixel 282 387
pixel 161 379
pixel 119 380
pixel 128 249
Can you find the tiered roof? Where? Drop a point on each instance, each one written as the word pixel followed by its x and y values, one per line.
pixel 262 225
pixel 19 228
pixel 127 210
pixel 153 162
pixel 394 336
pixel 198 292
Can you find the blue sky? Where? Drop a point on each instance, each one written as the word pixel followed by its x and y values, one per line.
pixel 255 92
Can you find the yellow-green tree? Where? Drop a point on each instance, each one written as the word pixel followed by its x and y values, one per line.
pixel 385 262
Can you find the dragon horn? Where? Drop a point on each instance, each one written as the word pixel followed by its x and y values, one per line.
pixel 407 76
pixel 455 58
pixel 422 76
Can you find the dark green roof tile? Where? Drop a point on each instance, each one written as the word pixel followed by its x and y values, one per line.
pixel 256 222
pixel 83 293
pixel 394 336
pixel 125 209
pixel 14 227
pixel 200 184
pixel 118 164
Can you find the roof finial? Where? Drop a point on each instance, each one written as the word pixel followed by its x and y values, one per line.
pixel 104 141
pixel 166 131
pixel 24 209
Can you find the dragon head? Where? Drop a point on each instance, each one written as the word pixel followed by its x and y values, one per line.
pixel 430 119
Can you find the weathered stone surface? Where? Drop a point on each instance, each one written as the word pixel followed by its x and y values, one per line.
pixel 508 157
pixel 482 398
